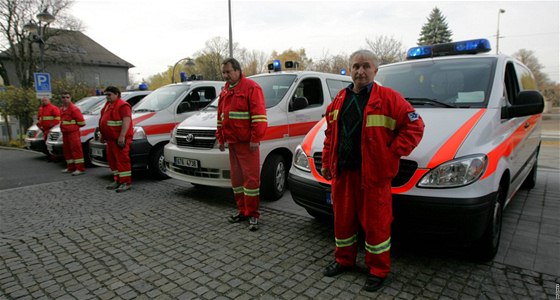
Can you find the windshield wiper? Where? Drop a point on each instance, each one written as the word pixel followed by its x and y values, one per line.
pixel 428 101
pixel 144 110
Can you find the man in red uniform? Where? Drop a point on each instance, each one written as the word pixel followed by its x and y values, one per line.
pixel 71 121
pixel 369 127
pixel 242 123
pixel 48 117
pixel 115 126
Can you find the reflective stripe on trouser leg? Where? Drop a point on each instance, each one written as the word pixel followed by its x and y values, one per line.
pixel 376 215
pixel 238 196
pixel 72 148
pixel 345 192
pixel 119 161
pixel 245 172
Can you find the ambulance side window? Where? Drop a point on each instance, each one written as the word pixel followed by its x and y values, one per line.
pixel 511 83
pixel 335 86
pixel 312 90
pixel 197 99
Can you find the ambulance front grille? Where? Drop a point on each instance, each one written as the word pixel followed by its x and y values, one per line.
pixel 196 138
pixel 53 136
pixel 406 169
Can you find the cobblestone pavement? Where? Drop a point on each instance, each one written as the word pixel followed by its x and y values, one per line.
pixel 75 240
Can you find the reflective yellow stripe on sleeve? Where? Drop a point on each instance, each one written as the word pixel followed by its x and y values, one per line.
pixel 239 115
pixel 258 118
pixel 381 121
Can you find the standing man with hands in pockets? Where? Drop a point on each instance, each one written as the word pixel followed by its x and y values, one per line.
pixel 115 126
pixel 369 127
pixel 242 124
pixel 71 119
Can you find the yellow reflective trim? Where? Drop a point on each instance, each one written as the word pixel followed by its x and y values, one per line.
pixel 379 248
pixel 346 242
pixel 333 116
pixel 125 174
pixel 380 121
pixel 69 122
pixel 78 161
pixel 114 123
pixel 237 190
pixel 49 118
pixel 239 115
pixel 251 192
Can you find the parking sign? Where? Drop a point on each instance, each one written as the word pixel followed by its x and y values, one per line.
pixel 42 84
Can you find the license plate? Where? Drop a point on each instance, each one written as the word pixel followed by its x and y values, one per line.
pixel 186 162
pixel 329 199
pixel 50 147
pixel 96 152
pixel 27 144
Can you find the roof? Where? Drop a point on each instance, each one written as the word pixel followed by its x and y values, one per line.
pixel 75 46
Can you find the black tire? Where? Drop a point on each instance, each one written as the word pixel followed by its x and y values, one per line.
pixel 487 247
pixel 273 178
pixel 531 179
pixel 156 164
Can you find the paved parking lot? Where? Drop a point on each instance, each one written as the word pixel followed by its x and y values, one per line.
pixel 71 238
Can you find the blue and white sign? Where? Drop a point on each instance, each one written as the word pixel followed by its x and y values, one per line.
pixel 42 84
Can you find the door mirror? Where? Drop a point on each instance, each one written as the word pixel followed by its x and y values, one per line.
pixel 526 103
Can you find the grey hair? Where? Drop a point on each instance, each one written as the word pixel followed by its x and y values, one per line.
pixel 366 53
pixel 234 63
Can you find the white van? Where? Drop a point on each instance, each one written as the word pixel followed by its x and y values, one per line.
pixel 91 117
pixel 154 118
pixel 481 143
pixel 295 101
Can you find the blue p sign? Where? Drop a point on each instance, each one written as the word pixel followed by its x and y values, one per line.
pixel 42 84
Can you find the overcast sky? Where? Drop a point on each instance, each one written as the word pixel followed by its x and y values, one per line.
pixel 155 34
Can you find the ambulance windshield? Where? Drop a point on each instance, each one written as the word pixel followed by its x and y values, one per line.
pixel 161 98
pixel 445 83
pixel 274 87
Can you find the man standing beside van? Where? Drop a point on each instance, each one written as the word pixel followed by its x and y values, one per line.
pixel 115 125
pixel 48 117
pixel 71 119
pixel 369 127
pixel 242 124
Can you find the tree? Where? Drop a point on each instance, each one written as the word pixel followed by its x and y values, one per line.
pixel 435 31
pixel 254 62
pixel 386 49
pixel 292 55
pixel 549 89
pixel 14 41
pixel 330 64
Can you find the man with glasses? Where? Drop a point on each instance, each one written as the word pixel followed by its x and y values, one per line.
pixel 71 119
pixel 115 126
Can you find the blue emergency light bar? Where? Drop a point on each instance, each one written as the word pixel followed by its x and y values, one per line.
pixel 454 48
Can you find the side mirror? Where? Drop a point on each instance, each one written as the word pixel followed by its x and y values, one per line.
pixel 299 103
pixel 526 103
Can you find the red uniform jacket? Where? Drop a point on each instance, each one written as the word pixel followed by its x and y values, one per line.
pixel 49 116
pixel 241 113
pixel 71 119
pixel 110 123
pixel 390 129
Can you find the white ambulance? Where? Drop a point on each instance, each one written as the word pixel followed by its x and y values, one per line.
pixel 295 101
pixel 91 117
pixel 154 118
pixel 481 143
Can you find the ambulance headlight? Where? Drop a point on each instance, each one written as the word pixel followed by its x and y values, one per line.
pixel 301 161
pixel 455 173
pixel 139 133
pixel 173 139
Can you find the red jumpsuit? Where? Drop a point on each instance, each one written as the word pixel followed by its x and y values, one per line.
pixel 390 129
pixel 48 117
pixel 241 120
pixel 110 125
pixel 71 121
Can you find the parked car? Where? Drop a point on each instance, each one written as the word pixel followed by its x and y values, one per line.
pixel 34 138
pixel 154 118
pixel 481 144
pixel 55 143
pixel 295 101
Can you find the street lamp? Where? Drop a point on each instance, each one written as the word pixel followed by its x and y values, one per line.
pixel 189 62
pixel 230 31
pixel 500 11
pixel 38 32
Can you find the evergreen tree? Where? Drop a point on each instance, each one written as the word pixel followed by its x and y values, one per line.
pixel 435 31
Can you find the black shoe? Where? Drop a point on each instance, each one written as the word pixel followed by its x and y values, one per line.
pixel 373 283
pixel 236 218
pixel 335 268
pixel 253 224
